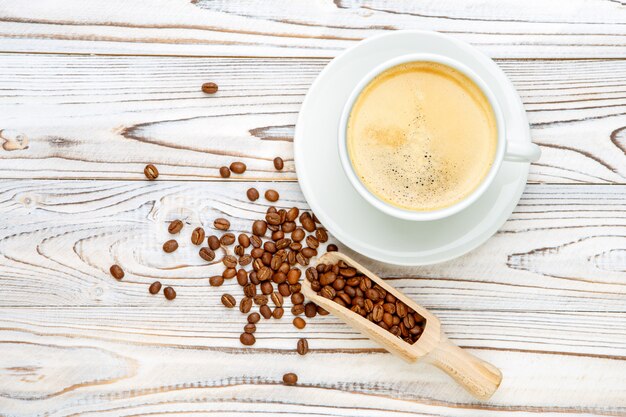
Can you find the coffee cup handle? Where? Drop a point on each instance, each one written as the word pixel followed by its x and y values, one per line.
pixel 522 152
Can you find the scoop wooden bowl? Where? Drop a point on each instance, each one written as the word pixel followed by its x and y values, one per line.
pixel 480 378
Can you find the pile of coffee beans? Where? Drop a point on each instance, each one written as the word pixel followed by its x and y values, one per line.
pixel 351 289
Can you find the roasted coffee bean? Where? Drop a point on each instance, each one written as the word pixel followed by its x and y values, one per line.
pixel 213 242
pixel 395 330
pixel 321 311
pixel 278 312
pixel 377 313
pixel 292 214
pixel 297 235
pixel 170 246
pixel 221 224
pixel 308 252
pixel 151 172
pixel 327 278
pixel 256 253
pixel 272 195
pixel 207 254
pixel 224 172
pixel 302 347
pixel 295 246
pixel 239 250
pixel 247 339
pixel 294 288
pixel 308 224
pixel 175 227
pixel 277 299
pixel 297 298
pixel 297 309
pixel 328 292
pixel 229 273
pixel 390 308
pixel 216 280
pixel 321 235
pixel 267 288
pixel 401 309
pixel 254 318
pixel 284 268
pixel 270 247
pixel 339 284
pixel 321 268
pixel 272 209
pixel 118 272
pixel 169 293
pixel 409 321
pixel 310 310
pixel 249 328
pixel 332 248
pixel 312 242
pixel 316 286
pixel 278 163
pixel 229 261
pixel 345 297
pixel 340 301
pixel 249 290
pixel 372 294
pixel 265 311
pixel 273 227
pixel 293 276
pixel 299 323
pixel 238 167
pixel 349 290
pixel 283 243
pixel 245 260
pixel 368 305
pixel 276 262
pixel 252 194
pixel 360 301
pixel 272 218
pixel 288 226
pixel 209 88
pixel 279 277
pixel 245 305
pixel 242 277
pixel 283 289
pixel 259 227
pixel 290 379
pixel 390 298
pixel 311 274
pixel 228 301
pixel 304 215
pixel 197 236
pixel 396 320
pixel 291 258
pixel 253 278
pixel 260 299
pixel 154 288
pixel 244 240
pixel 264 273
pixel 347 272
pixel 301 259
pixel 227 239
pixel 278 235
pixel 365 284
pixel 388 319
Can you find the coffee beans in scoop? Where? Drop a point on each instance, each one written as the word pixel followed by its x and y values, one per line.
pixel 350 289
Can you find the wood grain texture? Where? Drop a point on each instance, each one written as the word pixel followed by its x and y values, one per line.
pixel 543 300
pixel 106 117
pixel 534 28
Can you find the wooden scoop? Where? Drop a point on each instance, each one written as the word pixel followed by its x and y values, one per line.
pixel 480 378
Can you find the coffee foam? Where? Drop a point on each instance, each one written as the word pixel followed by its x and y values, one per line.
pixel 421 136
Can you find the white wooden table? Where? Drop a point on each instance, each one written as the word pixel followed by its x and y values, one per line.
pixel 91 91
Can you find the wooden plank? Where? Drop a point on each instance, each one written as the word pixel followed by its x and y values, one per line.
pixel 122 362
pixel 562 250
pixel 106 117
pixel 534 28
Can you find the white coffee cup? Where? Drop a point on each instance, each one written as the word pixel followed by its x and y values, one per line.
pixel 513 151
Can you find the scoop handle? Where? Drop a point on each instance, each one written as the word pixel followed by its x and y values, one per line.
pixel 479 378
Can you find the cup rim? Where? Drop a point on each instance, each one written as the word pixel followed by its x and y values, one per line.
pixel 396 211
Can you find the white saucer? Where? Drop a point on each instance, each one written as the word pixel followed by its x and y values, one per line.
pixel 345 213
